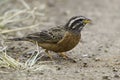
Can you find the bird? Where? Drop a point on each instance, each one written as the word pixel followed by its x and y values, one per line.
pixel 59 39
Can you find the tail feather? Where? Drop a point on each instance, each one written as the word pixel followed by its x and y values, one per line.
pixel 17 39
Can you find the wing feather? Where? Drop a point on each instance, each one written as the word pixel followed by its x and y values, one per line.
pixel 52 35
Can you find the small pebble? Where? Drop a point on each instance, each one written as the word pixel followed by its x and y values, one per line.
pixel 96 59
pixel 106 77
pixel 85 55
pixel 115 70
pixel 41 73
pixel 105 51
pixel 77 71
pixel 116 76
pixel 58 68
pixel 85 65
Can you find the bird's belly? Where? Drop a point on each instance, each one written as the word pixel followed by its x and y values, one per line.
pixel 68 43
pixel 59 48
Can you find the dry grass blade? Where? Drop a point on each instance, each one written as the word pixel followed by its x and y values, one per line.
pixel 14 16
pixel 33 59
pixel 24 4
pixel 7 61
pixel 18 29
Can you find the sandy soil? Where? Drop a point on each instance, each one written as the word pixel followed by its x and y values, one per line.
pixel 97 56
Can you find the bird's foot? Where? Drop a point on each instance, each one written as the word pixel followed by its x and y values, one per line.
pixel 66 57
pixel 48 54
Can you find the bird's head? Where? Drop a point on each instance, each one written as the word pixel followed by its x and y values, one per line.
pixel 76 24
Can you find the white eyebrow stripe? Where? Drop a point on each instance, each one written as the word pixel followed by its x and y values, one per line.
pixel 74 20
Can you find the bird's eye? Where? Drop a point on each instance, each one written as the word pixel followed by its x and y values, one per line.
pixel 80 19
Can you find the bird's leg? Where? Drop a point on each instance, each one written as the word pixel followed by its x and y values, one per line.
pixel 50 56
pixel 63 55
pixel 66 57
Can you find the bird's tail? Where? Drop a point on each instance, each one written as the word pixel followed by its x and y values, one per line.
pixel 17 39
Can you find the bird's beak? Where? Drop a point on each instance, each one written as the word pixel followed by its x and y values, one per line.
pixel 87 21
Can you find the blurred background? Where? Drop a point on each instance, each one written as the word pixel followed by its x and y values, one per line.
pixel 98 54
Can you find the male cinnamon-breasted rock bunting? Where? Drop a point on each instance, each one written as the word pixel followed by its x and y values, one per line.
pixel 58 39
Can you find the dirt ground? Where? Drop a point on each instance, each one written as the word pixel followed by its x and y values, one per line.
pixel 97 56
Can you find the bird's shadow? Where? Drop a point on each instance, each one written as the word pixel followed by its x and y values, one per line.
pixel 58 59
pixel 43 57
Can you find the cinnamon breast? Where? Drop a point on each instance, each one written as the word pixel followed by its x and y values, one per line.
pixel 68 42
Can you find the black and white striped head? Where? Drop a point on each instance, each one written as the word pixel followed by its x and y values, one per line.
pixel 76 24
